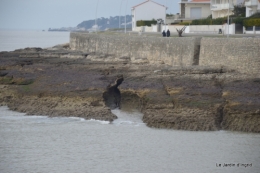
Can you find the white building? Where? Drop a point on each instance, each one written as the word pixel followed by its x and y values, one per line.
pixel 252 7
pixel 194 9
pixel 148 10
pixel 222 8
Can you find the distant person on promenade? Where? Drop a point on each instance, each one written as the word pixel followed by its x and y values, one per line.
pixel 163 34
pixel 168 33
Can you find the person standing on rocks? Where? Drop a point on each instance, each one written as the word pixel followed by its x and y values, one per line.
pixel 163 34
pixel 168 33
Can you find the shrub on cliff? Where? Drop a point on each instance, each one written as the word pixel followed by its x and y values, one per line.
pixel 208 21
pixel 145 22
pixel 251 22
pixel 218 21
pixel 256 15
pixel 184 23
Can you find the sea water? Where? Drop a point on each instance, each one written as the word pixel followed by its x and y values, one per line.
pixel 63 145
pixel 41 144
pixel 17 39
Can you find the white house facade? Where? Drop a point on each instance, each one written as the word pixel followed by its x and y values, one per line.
pixel 222 8
pixel 252 7
pixel 148 10
pixel 195 9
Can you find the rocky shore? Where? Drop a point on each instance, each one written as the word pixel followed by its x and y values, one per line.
pixel 61 82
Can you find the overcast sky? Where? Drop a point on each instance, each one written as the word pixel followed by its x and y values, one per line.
pixel 44 14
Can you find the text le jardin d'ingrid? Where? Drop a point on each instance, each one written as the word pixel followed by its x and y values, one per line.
pixel 234 165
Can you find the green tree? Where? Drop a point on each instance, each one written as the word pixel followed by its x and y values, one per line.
pixel 256 15
pixel 169 15
pixel 239 11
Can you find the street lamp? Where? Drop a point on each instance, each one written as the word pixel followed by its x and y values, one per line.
pixel 228 21
pixel 165 15
pixel 96 16
pixel 125 14
pixel 120 14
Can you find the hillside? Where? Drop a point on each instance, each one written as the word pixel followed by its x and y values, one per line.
pixel 103 24
pixel 106 23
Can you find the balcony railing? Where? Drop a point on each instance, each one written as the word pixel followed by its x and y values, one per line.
pixel 217 7
pixel 250 3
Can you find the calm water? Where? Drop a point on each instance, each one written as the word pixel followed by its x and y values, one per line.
pixel 11 40
pixel 30 144
pixel 42 144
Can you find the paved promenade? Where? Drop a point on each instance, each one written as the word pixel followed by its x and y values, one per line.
pixel 175 34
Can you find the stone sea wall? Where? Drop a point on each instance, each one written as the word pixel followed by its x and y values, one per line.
pixel 239 54
pixel 175 52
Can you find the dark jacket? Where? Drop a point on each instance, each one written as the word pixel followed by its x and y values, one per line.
pixel 168 33
pixel 163 34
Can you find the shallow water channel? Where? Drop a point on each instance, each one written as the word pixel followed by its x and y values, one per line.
pixel 41 144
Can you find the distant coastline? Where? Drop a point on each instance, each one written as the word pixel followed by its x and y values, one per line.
pixel 68 29
pixel 101 24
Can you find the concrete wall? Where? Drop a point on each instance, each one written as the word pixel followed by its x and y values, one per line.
pixel 171 51
pixel 153 28
pixel 172 28
pixel 210 29
pixel 205 28
pixel 240 54
pixel 252 32
pixel 145 29
pixel 231 29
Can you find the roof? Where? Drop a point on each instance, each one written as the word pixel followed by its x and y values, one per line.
pixel 195 1
pixel 148 1
pixel 200 1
